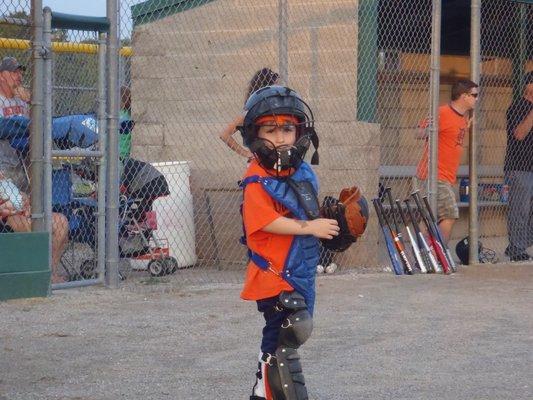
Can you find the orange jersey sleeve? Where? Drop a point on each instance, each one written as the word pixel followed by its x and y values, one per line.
pixel 259 210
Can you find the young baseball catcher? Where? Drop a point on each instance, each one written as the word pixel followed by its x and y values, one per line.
pixel 282 223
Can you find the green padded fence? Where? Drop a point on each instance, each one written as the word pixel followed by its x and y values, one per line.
pixel 24 267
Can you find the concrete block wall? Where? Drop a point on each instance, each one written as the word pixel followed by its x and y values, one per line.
pixel 189 75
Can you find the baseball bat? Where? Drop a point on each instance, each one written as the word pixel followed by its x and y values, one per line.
pixel 397 235
pixel 439 234
pixel 388 240
pixel 425 250
pixel 437 247
pixel 412 240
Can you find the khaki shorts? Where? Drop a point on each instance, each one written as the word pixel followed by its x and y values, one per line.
pixel 446 202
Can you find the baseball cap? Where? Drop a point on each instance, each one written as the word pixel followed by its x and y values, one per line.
pixel 11 64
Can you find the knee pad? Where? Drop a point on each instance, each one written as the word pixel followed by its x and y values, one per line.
pixel 298 325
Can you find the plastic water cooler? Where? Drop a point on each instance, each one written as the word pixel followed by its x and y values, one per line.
pixel 175 217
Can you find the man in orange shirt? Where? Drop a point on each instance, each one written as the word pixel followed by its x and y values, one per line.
pixel 453 125
pixel 281 223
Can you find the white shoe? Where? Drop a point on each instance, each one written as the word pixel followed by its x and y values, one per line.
pixel 331 268
pixel 319 269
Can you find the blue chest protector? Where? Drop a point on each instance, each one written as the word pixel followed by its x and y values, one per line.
pixel 300 265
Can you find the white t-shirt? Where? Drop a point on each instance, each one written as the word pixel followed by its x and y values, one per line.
pixel 10 164
pixel 13 106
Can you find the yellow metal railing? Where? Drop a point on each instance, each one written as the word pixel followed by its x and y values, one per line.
pixel 60 47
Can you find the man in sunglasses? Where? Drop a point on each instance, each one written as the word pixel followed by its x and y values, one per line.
pixel 518 169
pixel 454 121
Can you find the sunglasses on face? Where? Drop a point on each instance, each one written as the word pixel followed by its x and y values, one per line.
pixel 474 95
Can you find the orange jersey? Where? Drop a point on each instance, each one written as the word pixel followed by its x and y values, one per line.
pixel 452 131
pixel 259 210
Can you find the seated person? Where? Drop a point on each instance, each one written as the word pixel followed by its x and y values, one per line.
pixel 18 220
pixel 14 100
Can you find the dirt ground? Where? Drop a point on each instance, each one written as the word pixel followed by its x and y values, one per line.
pixel 376 336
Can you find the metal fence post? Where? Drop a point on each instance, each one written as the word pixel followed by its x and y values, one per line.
pixel 475 62
pixel 283 58
pixel 434 91
pixel 112 192
pixel 102 145
pixel 36 127
pixel 47 124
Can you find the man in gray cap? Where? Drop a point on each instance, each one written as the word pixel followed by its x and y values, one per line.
pixel 14 101
pixel 11 80
pixel 519 173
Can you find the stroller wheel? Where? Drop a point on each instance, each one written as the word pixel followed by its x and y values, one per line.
pixel 88 269
pixel 171 265
pixel 156 267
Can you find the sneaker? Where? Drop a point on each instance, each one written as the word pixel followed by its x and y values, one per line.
pixel 319 269
pixel 331 268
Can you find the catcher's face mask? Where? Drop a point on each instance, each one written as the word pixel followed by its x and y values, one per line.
pixel 273 104
pixel 277 147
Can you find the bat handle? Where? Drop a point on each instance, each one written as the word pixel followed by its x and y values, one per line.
pixel 428 206
pixel 402 215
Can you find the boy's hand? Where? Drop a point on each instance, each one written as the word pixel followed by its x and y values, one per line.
pixel 323 228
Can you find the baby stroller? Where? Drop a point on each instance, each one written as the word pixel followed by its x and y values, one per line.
pixel 141 185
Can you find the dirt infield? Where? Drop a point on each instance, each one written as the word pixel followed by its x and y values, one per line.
pixel 377 336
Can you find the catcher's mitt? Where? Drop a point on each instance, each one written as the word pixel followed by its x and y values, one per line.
pixel 351 213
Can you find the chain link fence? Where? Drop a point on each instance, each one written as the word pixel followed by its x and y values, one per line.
pixel 186 69
pixel 74 70
pixel 504 162
pixel 186 93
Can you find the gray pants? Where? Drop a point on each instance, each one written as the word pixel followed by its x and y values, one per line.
pixel 520 217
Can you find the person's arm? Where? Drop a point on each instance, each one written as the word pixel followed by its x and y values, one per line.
pixel 422 131
pixel 26 205
pixel 227 137
pixel 321 228
pixel 523 128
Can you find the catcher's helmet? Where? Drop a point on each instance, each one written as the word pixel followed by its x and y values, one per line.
pixel 485 255
pixel 279 100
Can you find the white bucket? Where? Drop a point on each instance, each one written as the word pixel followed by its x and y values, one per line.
pixel 175 218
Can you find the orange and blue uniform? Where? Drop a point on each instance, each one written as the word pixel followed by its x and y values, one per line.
pixel 277 262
